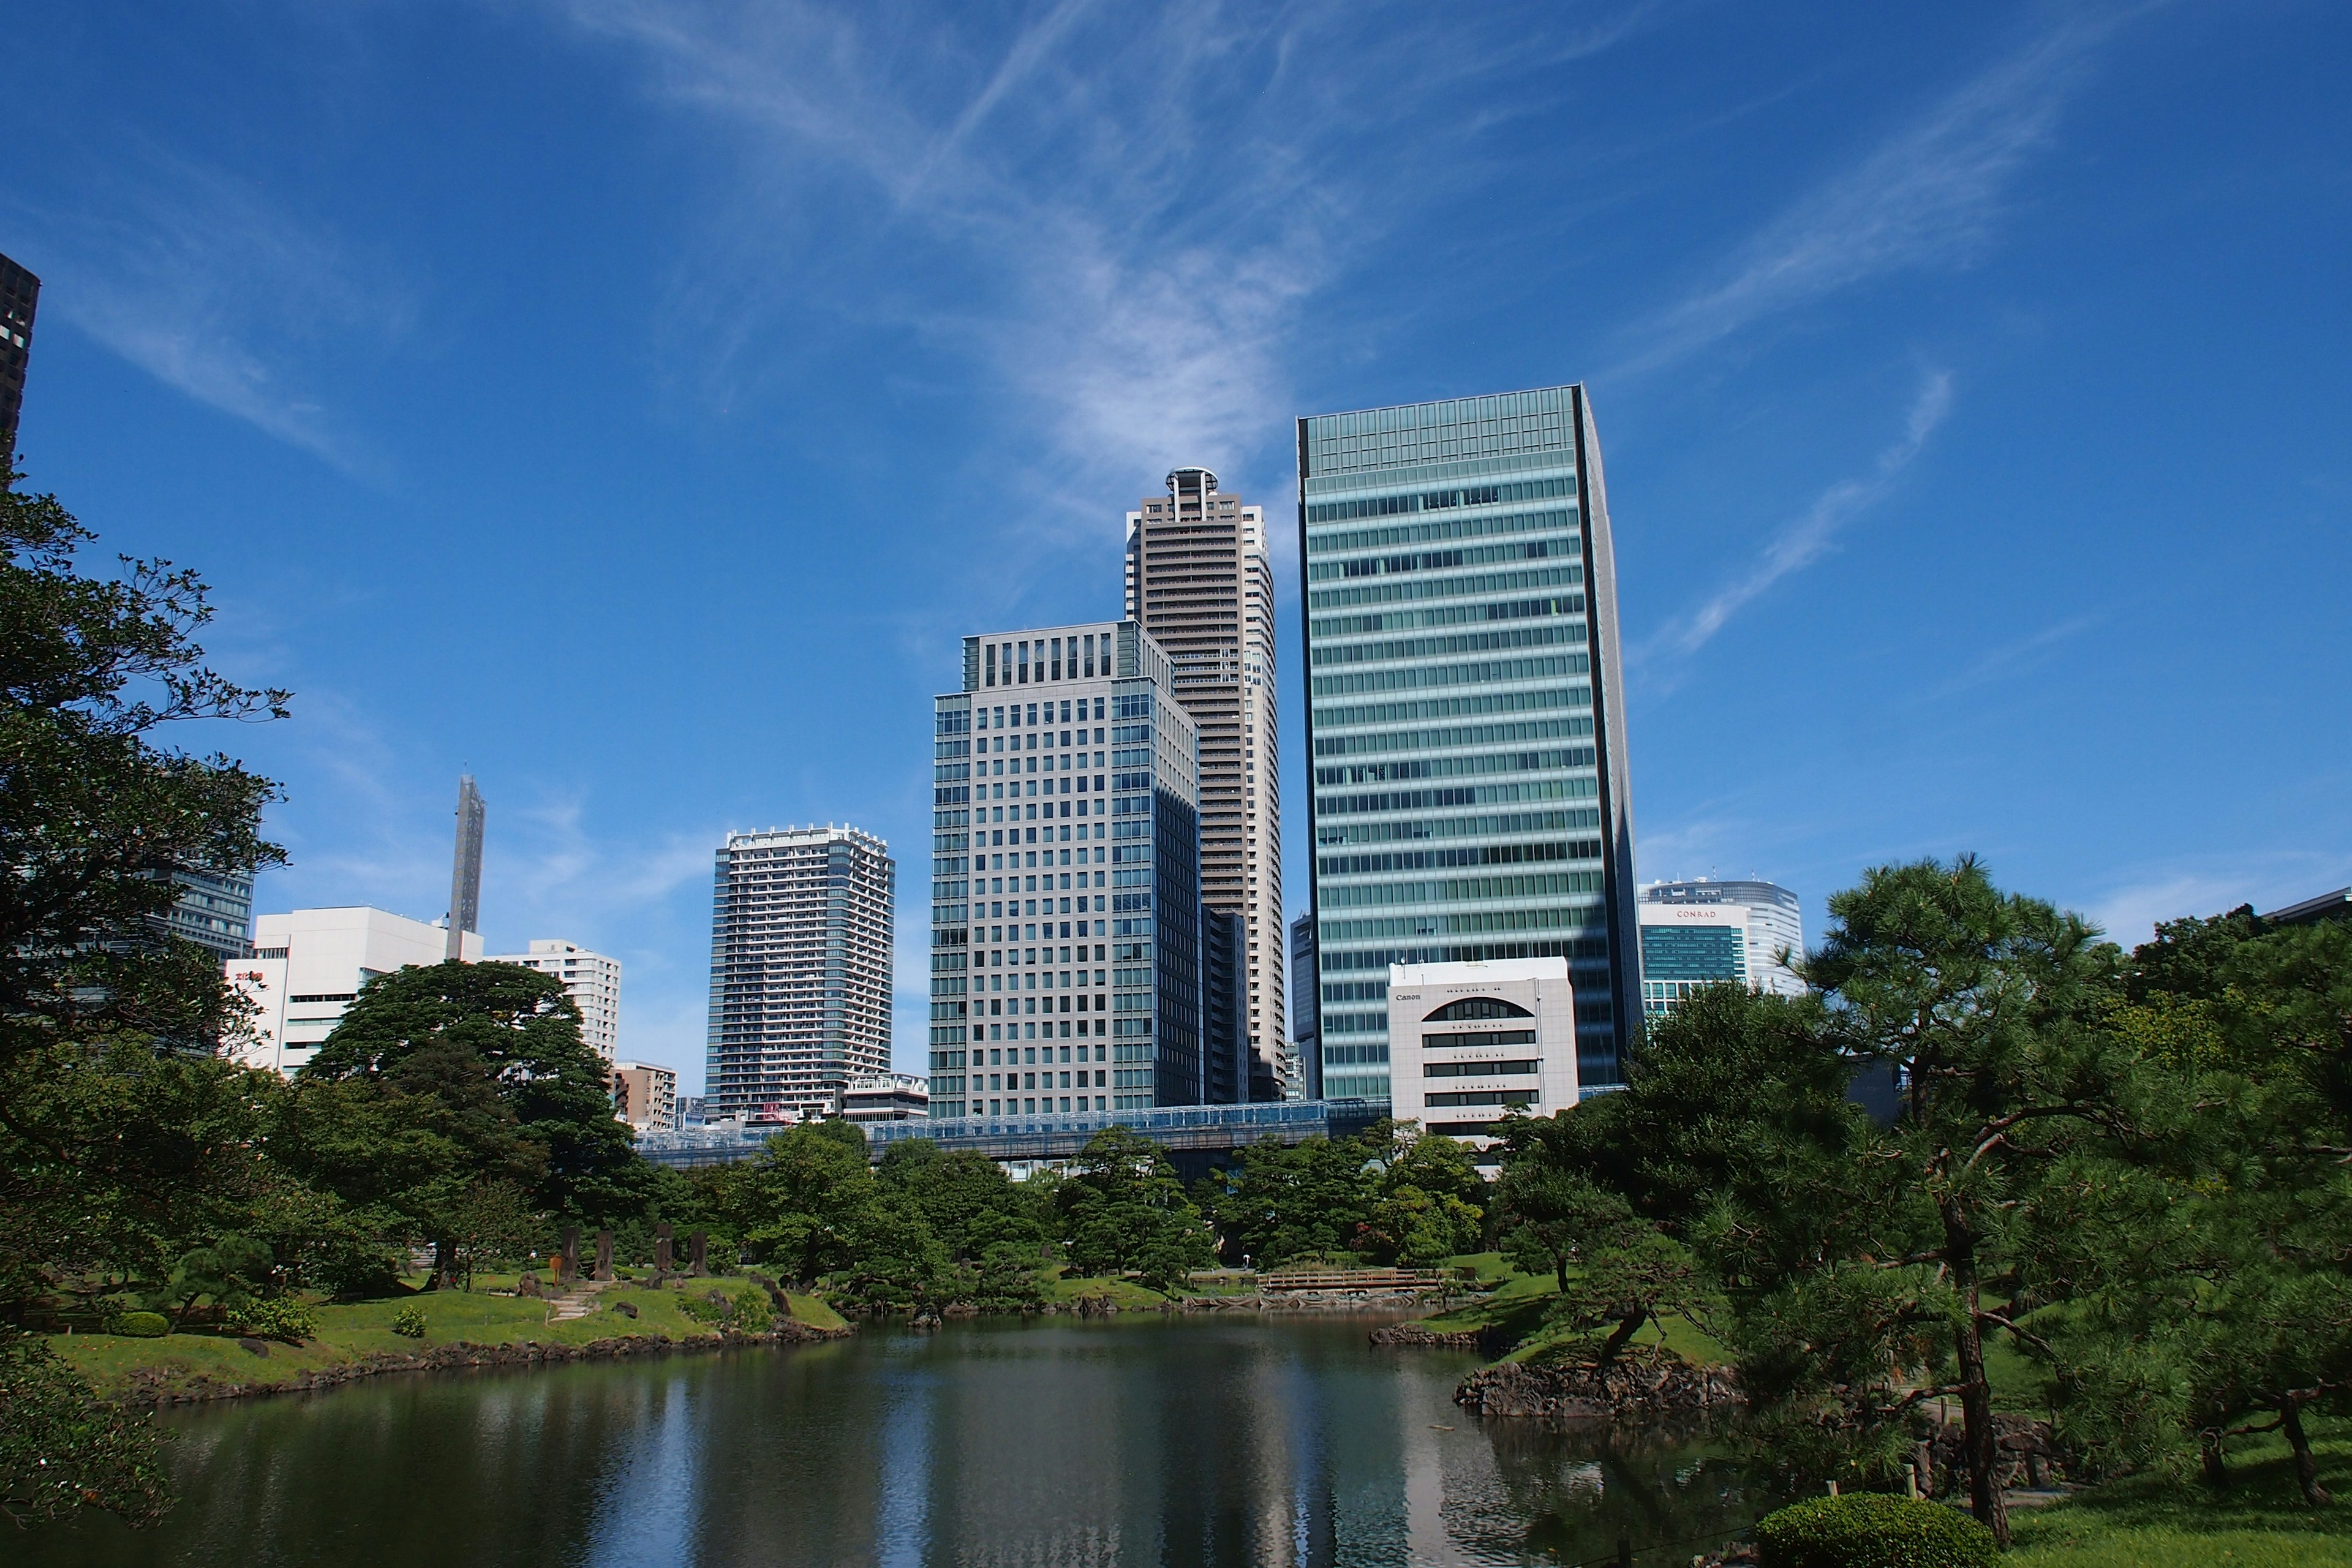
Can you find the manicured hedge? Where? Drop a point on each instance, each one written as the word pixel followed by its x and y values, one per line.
pixel 1869 1529
pixel 139 1325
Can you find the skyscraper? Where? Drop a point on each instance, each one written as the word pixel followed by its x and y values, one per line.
pixel 1199 581
pixel 800 938
pixel 1066 894
pixel 1685 946
pixel 1465 714
pixel 214 911
pixel 466 870
pixel 1306 998
pixel 20 295
pixel 1775 922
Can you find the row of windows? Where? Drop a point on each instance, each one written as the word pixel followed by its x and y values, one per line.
pixel 1579 914
pixel 1445 615
pixel 1323 545
pixel 1439 859
pixel 1517 1068
pixel 1459 827
pixel 1435 500
pixel 1462 889
pixel 1412 589
pixel 1074 709
pixel 1457 795
pixel 1044 655
pixel 1426 677
pixel 1457 767
pixel 1440 647
pixel 1485 1097
pixel 1460 735
pixel 1031 742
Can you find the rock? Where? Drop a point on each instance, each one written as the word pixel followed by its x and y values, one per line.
pixel 1639 1382
pixel 626 1309
pixel 1415 1334
pixel 253 1347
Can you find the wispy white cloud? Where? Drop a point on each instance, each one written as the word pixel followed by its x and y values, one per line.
pixel 2013 656
pixel 1925 196
pixel 201 281
pixel 1802 541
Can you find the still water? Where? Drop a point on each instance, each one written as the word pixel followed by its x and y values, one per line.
pixel 1129 1440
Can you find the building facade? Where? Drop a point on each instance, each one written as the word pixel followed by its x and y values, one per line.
pixel 1471 1043
pixel 307 965
pixel 1775 924
pixel 212 911
pixel 466 864
pixel 802 926
pixel 1306 998
pixel 1685 946
pixel 20 297
pixel 645 1096
pixel 1066 898
pixel 886 1097
pixel 1465 715
pixel 592 980
pixel 1199 581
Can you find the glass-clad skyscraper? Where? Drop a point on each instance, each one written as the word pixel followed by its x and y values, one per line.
pixel 1466 713
pixel 1065 885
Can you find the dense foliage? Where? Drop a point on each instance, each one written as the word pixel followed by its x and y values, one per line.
pixel 1389 1195
pixel 1872 1531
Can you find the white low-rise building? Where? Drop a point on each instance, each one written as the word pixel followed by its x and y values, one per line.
pixel 307 965
pixel 592 980
pixel 886 1097
pixel 1470 1042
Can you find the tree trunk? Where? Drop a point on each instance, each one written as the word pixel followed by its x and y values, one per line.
pixel 2307 1467
pixel 444 1264
pixel 1978 1434
pixel 2208 1455
pixel 1627 1327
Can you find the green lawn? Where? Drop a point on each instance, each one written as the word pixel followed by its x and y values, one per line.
pixel 195 1363
pixel 2158 1521
pixel 1126 1294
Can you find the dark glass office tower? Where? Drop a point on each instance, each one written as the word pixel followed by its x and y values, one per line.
pixel 20 292
pixel 1466 713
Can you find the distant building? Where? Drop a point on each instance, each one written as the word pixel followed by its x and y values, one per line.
pixel 1776 923
pixel 802 928
pixel 886 1097
pixel 1465 720
pixel 2334 906
pixel 20 296
pixel 466 870
pixel 645 1096
pixel 1199 580
pixel 1685 946
pixel 1066 891
pixel 308 966
pixel 690 1111
pixel 1226 1048
pixel 1305 997
pixel 1470 1042
pixel 212 911
pixel 592 982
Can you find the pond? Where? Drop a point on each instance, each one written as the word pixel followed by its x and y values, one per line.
pixel 1134 1440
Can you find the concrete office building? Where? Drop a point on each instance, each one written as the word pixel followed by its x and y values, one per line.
pixel 592 982
pixel 20 297
pixel 645 1096
pixel 1066 895
pixel 802 926
pixel 307 965
pixel 1469 1043
pixel 1198 580
pixel 1466 717
pixel 1776 923
pixel 1685 946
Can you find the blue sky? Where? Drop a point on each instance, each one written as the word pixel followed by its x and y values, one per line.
pixel 632 401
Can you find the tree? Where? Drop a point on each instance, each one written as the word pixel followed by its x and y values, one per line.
pixel 803 1200
pixel 443 1077
pixel 1280 1203
pixel 61 1450
pixel 1123 1208
pixel 1549 1210
pixel 1429 1198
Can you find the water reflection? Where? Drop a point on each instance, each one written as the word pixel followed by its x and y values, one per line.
pixel 1142 1441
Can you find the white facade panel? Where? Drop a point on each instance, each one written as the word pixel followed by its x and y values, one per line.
pixel 1468 1041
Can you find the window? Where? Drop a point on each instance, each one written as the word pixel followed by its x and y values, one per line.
pixel 1471 1007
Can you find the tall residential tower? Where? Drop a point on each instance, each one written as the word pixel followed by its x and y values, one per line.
pixel 1466 713
pixel 20 297
pixel 1066 965
pixel 1198 580
pixel 801 939
pixel 466 866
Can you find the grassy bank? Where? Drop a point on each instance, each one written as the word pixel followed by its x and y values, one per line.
pixel 199 1365
pixel 2159 1520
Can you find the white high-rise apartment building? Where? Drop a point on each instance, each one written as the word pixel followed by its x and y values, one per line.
pixel 1199 581
pixel 592 980
pixel 1776 923
pixel 802 926
pixel 307 965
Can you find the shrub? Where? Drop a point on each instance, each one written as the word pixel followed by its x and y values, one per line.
pixel 1870 1530
pixel 754 1314
pixel 410 1320
pixel 275 1317
pixel 139 1325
